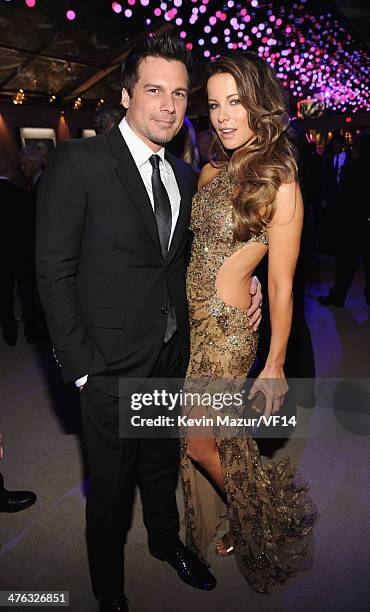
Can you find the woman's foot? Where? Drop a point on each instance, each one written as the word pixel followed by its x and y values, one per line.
pixel 224 546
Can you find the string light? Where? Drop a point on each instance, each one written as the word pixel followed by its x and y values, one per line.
pixel 77 104
pixel 116 7
pixel 19 97
pixel 314 55
pixel 320 55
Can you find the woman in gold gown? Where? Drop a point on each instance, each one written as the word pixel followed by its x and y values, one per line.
pixel 248 203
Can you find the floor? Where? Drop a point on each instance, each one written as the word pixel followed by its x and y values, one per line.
pixel 43 547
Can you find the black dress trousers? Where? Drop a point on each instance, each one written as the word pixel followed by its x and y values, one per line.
pixel 115 466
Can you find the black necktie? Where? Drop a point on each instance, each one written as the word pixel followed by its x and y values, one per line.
pixel 162 206
pixel 163 215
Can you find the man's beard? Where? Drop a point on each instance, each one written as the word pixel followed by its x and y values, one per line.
pixel 161 141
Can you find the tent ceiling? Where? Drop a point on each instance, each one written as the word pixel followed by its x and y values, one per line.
pixel 45 54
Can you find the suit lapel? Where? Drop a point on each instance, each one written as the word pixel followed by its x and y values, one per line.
pixel 185 205
pixel 129 176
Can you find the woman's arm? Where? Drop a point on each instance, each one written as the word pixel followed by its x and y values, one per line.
pixel 284 235
pixel 284 242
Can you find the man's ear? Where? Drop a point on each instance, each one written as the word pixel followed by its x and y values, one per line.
pixel 125 100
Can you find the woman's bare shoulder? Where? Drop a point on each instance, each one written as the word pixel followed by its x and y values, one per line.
pixel 288 201
pixel 287 189
pixel 207 173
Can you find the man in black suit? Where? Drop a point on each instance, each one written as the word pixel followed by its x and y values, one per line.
pixel 332 167
pixel 353 203
pixel 16 256
pixel 113 221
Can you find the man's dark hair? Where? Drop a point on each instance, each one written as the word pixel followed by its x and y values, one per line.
pixel 163 45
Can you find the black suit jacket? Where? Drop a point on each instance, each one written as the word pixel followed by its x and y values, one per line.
pixel 16 229
pixel 353 198
pixel 329 183
pixel 102 279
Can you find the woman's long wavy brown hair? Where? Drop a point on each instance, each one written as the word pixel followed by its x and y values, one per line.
pixel 262 164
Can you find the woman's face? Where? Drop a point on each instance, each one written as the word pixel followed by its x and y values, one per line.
pixel 228 117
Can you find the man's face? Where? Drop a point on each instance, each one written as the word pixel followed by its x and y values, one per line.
pixel 156 110
pixel 30 167
pixel 337 147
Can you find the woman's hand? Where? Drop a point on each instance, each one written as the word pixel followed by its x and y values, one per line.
pixel 273 384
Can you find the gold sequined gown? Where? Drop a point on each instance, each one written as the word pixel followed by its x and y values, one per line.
pixel 269 513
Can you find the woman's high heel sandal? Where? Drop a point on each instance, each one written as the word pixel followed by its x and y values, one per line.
pixel 224 546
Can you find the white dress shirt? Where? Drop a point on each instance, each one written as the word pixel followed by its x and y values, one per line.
pixel 141 153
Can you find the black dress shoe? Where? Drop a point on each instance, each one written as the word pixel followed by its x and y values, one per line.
pixel 31 335
pixel 187 565
pixel 14 501
pixel 113 604
pixel 10 337
pixel 328 300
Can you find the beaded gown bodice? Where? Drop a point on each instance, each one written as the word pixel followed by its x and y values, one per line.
pixel 212 226
pixel 211 318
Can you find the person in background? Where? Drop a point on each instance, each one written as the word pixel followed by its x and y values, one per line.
pixel 332 167
pixel 184 145
pixel 353 188
pixel 33 159
pixel 13 501
pixel 314 194
pixel 16 257
pixel 204 142
pixel 106 119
